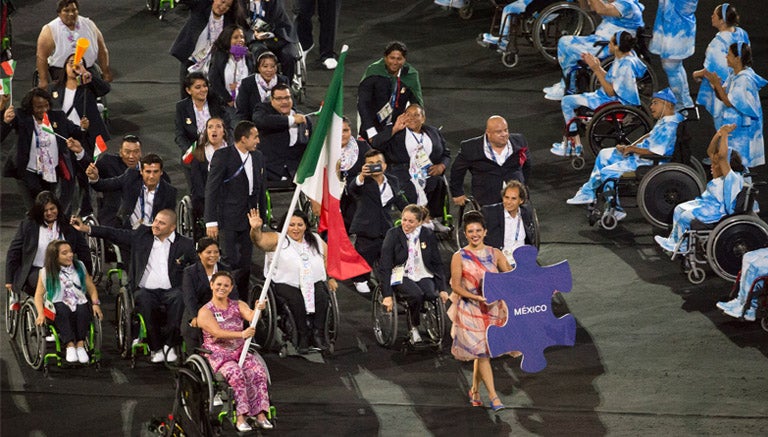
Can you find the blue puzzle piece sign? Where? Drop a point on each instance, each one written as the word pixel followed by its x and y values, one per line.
pixel 531 327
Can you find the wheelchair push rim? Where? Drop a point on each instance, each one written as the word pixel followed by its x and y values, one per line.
pixel 32 338
pixel 384 322
pixel 11 313
pixel 663 188
pixel 731 239
pixel 558 20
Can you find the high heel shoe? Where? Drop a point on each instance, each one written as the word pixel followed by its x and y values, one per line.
pixel 497 407
pixel 474 399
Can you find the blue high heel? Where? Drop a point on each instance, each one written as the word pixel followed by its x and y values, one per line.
pixel 496 408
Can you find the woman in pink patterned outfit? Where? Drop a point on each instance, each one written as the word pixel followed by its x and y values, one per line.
pixel 222 322
pixel 470 314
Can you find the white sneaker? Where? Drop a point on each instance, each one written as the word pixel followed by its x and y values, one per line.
pixel 170 354
pixel 549 89
pixel 217 402
pixel 555 92
pixel 82 355
pixel 71 355
pixel 157 356
pixel 619 215
pixel 561 149
pixel 665 243
pixel 415 336
pixel 362 287
pixel 581 198
pixel 487 40
pixel 735 312
pixel 330 63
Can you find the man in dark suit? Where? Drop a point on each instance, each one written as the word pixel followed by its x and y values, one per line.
pixel 158 257
pixel 409 144
pixel 143 193
pixel 509 224
pixel 283 134
pixel 111 165
pixel 491 159
pixel 374 194
pixel 235 185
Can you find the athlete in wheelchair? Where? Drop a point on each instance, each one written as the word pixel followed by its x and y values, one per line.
pixel 751 295
pixel 619 83
pixel 617 166
pixel 75 316
pixel 221 320
pixel 700 235
pixel 541 22
pixel 412 273
pixel 511 223
pixel 300 280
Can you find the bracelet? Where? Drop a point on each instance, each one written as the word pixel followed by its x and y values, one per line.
pixel 96 302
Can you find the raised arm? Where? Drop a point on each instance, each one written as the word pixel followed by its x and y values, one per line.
pixel 266 241
pixel 721 157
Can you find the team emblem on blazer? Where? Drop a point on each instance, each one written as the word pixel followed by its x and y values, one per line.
pixel 423 245
pixel 55 125
pixel 55 94
pixel 189 120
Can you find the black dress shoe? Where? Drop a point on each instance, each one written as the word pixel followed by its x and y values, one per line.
pixel 303 345
pixel 319 342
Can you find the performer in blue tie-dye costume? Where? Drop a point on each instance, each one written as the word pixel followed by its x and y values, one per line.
pixel 517 7
pixel 674 39
pixel 754 264
pixel 718 200
pixel 738 102
pixel 618 84
pixel 725 19
pixel 616 15
pixel 612 162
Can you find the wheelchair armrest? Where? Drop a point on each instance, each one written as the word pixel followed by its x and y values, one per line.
pixel 202 350
pixel 657 158
pixel 696 225
pixel 600 43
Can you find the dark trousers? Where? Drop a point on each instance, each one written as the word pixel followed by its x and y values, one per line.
pixel 414 294
pixel 295 301
pixel 237 250
pixel 370 249
pixel 327 15
pixel 149 303
pixel 72 325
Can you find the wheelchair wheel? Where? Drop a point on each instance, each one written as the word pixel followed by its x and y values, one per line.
pixel 299 80
pixel 433 320
pixel 458 230
pixel 185 222
pixel 32 338
pixel 617 124
pixel 558 20
pixel 265 326
pixel 332 322
pixel 12 309
pixel 384 322
pixel 94 340
pixel 200 366
pixel 645 84
pixel 536 229
pixel 664 187
pixel 731 239
pixel 191 392
pixel 124 320
pixel 96 247
pixel 288 327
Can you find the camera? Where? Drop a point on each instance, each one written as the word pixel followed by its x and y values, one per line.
pixel 374 168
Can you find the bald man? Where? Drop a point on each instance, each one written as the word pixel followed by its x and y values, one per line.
pixel 491 159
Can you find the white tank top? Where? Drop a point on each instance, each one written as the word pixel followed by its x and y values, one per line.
pixel 289 264
pixel 65 39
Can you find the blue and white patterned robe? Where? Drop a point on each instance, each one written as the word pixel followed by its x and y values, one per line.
pixel 746 113
pixel 714 60
pixel 674 31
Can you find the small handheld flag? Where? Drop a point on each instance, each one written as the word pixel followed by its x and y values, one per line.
pixel 187 158
pixel 101 147
pixel 46 127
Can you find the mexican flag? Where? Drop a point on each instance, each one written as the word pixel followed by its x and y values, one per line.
pixel 187 157
pixel 100 148
pixel 7 69
pixel 316 177
pixel 46 126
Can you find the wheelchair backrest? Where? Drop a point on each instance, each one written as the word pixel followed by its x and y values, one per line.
pixel 682 152
pixel 745 200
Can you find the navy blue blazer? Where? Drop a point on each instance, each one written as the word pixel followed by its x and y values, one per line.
pixel 248 96
pixel 186 120
pixel 23 248
pixel 371 219
pixel 140 240
pixel 394 252
pixel 226 190
pixel 88 93
pixel 487 176
pixel 130 185
pixel 199 11
pixel 274 136
pixel 494 223
pixel 219 61
pixel 396 153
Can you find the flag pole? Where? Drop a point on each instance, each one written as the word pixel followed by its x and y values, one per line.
pixel 270 272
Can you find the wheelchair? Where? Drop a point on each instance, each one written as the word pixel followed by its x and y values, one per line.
pixel 721 245
pixel 472 205
pixel 186 223
pixel 387 323
pixel 276 328
pixel 756 289
pixel 542 23
pixel 32 339
pixel 130 329
pixel 13 304
pixel 100 251
pixel 160 7
pixel 196 388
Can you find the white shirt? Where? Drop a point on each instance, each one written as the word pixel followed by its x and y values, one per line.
pixel 412 144
pixel 248 169
pixel 289 263
pixel 45 139
pixel 514 231
pixel 44 237
pixel 208 36
pixel 384 189
pixel 156 273
pixel 419 269
pixel 147 199
pixel 498 158
pixel 201 117
pixel 69 100
pixel 234 72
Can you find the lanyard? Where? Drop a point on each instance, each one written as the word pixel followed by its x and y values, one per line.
pixel 395 92
pixel 141 202
pixel 493 154
pixel 519 220
pixel 419 140
pixel 383 187
pixel 240 169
